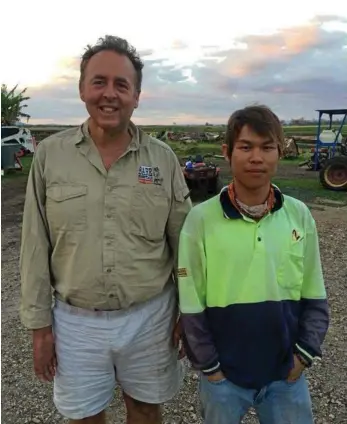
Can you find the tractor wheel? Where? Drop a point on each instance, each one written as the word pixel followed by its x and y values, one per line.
pixel 333 174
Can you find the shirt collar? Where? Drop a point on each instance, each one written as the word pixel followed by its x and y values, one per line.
pixel 230 212
pixel 83 135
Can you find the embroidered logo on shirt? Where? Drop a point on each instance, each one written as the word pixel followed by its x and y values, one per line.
pixel 182 272
pixel 296 235
pixel 149 175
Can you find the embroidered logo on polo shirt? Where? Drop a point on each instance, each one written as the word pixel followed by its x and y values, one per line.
pixel 149 175
pixel 182 272
pixel 296 236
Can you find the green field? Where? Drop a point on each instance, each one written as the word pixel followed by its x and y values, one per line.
pixel 304 185
pixel 289 130
pixel 309 190
pixel 183 150
pixel 42 131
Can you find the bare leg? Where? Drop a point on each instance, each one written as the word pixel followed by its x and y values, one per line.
pixel 140 412
pixel 97 419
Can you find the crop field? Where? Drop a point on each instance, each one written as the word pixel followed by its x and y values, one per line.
pixel 298 131
pixel 289 130
pixel 25 400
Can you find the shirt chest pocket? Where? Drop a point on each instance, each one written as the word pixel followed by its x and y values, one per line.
pixel 290 273
pixel 149 211
pixel 66 207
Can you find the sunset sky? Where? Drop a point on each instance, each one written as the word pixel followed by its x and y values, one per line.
pixel 201 62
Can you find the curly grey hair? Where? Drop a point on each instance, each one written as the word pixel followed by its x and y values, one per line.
pixel 118 45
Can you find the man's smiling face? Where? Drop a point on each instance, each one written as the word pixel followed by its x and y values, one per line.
pixel 109 89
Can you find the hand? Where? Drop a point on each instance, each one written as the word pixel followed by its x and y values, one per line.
pixel 177 339
pixel 45 362
pixel 218 376
pixel 296 371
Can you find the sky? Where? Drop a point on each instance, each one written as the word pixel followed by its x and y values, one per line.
pixel 201 62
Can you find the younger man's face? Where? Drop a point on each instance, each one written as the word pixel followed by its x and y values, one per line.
pixel 254 158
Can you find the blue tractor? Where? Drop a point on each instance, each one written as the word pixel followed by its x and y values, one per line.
pixel 330 152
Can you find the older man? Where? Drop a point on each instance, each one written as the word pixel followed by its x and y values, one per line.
pixel 104 207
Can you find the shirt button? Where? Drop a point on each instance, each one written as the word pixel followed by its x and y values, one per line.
pixel 109 270
pixel 108 215
pixel 259 239
pixel 111 295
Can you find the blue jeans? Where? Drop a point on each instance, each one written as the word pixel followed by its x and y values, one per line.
pixel 280 402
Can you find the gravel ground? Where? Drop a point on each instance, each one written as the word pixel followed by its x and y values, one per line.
pixel 25 400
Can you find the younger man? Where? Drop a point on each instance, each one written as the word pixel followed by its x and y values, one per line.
pixel 252 295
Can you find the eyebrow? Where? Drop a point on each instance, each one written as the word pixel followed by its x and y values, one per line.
pixel 118 79
pixel 243 140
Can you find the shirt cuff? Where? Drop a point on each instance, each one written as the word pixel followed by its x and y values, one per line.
pixel 215 367
pixel 299 350
pixel 34 320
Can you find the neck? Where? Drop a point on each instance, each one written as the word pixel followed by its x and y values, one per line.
pixel 119 137
pixel 251 197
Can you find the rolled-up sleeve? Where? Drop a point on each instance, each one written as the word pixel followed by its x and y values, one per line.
pixel 36 293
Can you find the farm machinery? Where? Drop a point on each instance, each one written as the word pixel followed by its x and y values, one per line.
pixel 329 156
pixel 202 176
pixel 291 149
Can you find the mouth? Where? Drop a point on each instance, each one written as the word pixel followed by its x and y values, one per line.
pixel 256 171
pixel 108 110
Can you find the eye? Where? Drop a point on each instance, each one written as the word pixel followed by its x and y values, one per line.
pixel 97 82
pixel 123 86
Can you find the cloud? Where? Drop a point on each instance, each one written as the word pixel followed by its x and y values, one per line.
pixel 294 70
pixel 179 45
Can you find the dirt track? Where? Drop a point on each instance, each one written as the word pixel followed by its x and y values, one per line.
pixel 25 400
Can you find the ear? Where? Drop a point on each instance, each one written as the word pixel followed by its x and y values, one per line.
pixel 225 152
pixel 280 153
pixel 137 99
pixel 81 90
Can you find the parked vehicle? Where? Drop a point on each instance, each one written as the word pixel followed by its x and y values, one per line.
pixel 20 136
pixel 202 177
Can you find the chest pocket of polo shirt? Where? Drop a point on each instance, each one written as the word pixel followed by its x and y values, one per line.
pixel 291 270
pixel 66 207
pixel 149 211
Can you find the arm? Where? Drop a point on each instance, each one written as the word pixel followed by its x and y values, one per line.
pixel 36 297
pixel 180 207
pixel 192 294
pixel 314 317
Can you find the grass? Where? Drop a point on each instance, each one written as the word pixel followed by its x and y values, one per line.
pixel 42 131
pixel 14 174
pixel 308 189
pixel 217 128
pixel 183 150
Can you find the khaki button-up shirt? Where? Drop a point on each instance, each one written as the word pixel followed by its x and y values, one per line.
pixel 100 239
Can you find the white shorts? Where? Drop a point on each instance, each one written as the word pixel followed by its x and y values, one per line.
pixel 98 349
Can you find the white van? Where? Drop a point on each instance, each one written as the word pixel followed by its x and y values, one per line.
pixel 20 135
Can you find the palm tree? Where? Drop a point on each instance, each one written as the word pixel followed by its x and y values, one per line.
pixel 12 105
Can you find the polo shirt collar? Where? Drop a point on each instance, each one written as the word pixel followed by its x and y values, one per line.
pixel 230 212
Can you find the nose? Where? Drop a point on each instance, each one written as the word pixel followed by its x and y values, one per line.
pixel 110 92
pixel 256 156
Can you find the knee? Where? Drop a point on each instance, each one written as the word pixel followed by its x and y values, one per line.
pixel 99 418
pixel 136 409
